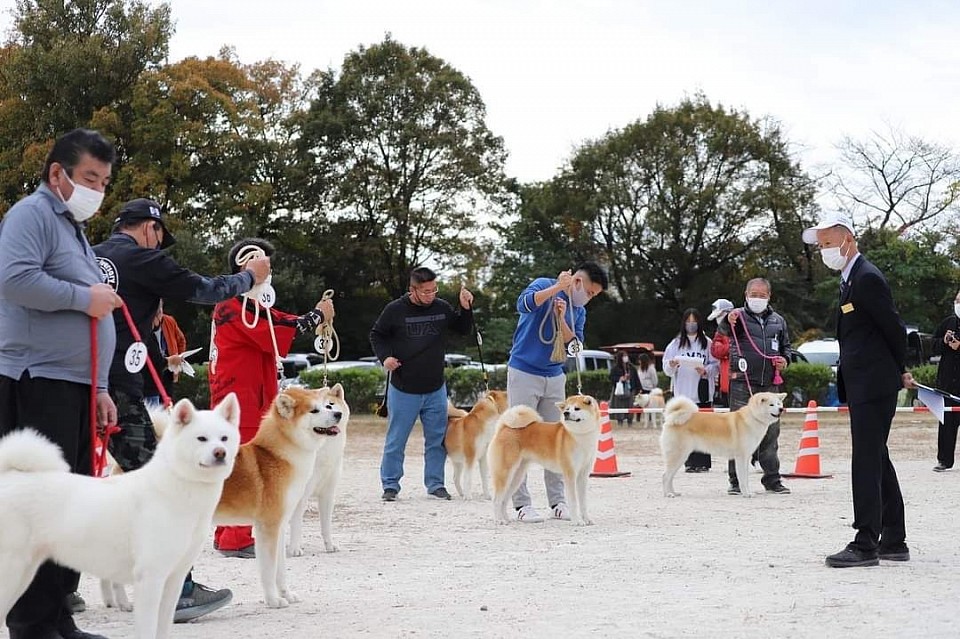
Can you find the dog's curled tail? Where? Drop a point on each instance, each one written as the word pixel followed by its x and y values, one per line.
pixel 678 410
pixel 28 451
pixel 520 417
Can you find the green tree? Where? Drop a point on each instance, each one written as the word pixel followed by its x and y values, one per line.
pixel 402 152
pixel 64 62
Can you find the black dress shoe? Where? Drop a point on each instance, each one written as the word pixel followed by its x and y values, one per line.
pixel 853 558
pixel 895 553
pixel 34 633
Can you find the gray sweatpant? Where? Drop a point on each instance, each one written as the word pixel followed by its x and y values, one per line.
pixel 541 394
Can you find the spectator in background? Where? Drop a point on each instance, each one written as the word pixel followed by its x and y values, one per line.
pixel 626 385
pixel 647 373
pixel 692 371
pixel 946 341
pixel 170 342
pixel 720 349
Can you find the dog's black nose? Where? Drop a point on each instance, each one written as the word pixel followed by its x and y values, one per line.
pixel 566 414
pixel 219 453
pixel 338 415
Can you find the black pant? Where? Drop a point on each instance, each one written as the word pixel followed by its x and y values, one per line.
pixel 877 502
pixel 696 459
pixel 768 451
pixel 947 436
pixel 60 411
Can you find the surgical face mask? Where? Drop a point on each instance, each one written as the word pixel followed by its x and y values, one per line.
pixel 956 310
pixel 83 202
pixel 625 360
pixel 691 328
pixel 579 296
pixel 832 257
pixel 757 304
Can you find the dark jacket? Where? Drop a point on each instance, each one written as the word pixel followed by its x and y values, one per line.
pixel 948 371
pixel 141 276
pixel 768 331
pixel 415 335
pixel 633 381
pixel 873 338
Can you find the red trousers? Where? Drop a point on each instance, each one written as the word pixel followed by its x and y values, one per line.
pixel 235 537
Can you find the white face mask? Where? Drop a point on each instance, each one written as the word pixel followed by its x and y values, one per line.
pixel 83 202
pixel 579 296
pixel 757 304
pixel 956 310
pixel 832 257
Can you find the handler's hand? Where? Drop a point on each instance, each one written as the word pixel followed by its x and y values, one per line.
pixel 560 307
pixel 106 410
pixel 326 309
pixel 732 317
pixel 564 281
pixel 391 363
pixel 466 298
pixel 103 299
pixel 260 267
pixel 779 363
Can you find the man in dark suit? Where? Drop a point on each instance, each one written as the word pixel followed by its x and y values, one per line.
pixel 871 372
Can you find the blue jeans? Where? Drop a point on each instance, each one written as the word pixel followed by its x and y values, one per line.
pixel 402 412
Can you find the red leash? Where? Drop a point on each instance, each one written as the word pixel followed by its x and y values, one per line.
pixel 99 461
pixel 777 379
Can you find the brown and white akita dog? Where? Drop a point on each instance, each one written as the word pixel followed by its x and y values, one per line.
pixel 467 439
pixel 568 447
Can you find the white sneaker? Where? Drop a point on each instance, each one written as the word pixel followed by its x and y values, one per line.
pixel 560 511
pixel 529 515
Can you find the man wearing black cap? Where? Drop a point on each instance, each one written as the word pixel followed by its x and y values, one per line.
pixel 132 262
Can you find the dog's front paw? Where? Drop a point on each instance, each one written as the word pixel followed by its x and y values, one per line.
pixel 747 493
pixel 587 521
pixel 329 546
pixel 125 605
pixel 291 596
pixel 487 496
pixel 671 494
pixel 295 551
pixel 277 602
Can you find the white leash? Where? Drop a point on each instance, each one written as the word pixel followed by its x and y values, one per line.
pixel 262 294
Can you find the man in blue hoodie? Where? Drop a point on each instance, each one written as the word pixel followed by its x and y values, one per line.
pixel 533 378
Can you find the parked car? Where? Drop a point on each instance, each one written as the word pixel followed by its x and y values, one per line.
pixel 293 363
pixel 821 351
pixel 590 360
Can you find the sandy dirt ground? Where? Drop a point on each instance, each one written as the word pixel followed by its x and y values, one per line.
pixel 703 565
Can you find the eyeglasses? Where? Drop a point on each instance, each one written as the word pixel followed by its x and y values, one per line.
pixel 427 293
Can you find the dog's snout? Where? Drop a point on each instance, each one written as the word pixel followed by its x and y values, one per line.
pixel 338 415
pixel 566 414
pixel 219 453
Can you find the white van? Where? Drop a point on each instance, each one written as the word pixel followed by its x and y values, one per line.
pixel 821 351
pixel 590 360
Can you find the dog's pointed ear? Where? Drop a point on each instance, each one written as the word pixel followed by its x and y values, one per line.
pixel 561 405
pixel 183 413
pixel 229 409
pixel 782 396
pixel 285 405
pixel 337 390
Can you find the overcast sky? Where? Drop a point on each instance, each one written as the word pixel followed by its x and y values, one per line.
pixel 555 73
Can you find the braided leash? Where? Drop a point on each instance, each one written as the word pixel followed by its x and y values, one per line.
pixel 262 294
pixel 327 342
pixel 777 379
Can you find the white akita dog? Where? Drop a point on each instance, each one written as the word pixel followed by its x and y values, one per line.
pixel 144 527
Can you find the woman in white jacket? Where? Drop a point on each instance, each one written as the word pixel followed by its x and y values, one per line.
pixel 692 371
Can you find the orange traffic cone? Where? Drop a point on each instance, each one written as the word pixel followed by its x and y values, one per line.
pixel 808 457
pixel 606 463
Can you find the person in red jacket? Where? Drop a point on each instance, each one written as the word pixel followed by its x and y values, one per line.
pixel 243 360
pixel 720 349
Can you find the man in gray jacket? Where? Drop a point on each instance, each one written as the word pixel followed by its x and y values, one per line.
pixel 50 292
pixel 759 346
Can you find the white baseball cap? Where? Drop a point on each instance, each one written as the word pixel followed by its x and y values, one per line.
pixel 720 307
pixel 829 221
